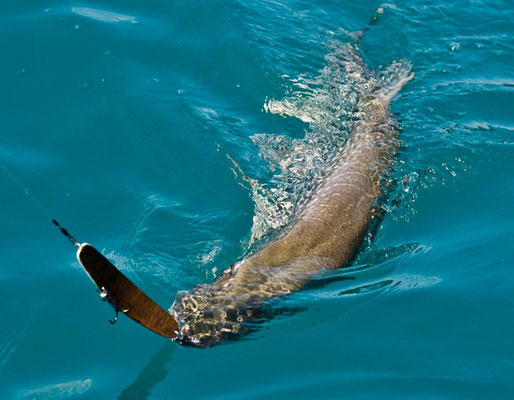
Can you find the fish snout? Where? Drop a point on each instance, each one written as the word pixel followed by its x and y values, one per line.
pixel 208 320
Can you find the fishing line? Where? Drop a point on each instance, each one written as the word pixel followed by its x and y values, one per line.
pixel 39 205
pixel 113 286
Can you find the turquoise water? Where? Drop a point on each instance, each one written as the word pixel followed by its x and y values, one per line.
pixel 119 116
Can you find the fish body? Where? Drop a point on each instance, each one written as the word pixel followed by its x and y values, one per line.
pixel 325 234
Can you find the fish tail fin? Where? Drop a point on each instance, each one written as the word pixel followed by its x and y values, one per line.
pixel 393 78
pixel 358 35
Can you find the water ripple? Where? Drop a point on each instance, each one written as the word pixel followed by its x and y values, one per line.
pixel 394 283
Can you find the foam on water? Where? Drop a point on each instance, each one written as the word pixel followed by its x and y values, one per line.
pixel 102 15
pixel 57 391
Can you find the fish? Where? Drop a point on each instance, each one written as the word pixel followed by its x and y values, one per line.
pixel 327 231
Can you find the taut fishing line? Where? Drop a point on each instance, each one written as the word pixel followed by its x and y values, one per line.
pixel 39 205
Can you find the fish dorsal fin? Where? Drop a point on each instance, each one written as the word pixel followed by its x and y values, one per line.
pixel 393 78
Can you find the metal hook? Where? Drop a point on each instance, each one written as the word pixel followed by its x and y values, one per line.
pixel 104 294
pixel 115 318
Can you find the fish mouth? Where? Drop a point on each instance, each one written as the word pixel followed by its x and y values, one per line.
pixel 204 335
pixel 206 321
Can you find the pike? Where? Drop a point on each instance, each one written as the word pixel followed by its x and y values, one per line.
pixel 325 234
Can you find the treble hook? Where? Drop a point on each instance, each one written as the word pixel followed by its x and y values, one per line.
pixel 104 294
pixel 115 318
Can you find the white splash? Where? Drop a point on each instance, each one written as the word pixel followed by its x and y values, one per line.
pixel 57 391
pixel 327 103
pixel 103 16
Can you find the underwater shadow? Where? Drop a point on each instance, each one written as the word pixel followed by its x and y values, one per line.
pixel 153 373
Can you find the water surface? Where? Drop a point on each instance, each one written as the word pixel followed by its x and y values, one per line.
pixel 119 117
